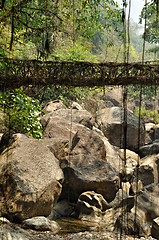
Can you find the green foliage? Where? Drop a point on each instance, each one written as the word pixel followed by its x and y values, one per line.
pixel 151 115
pixel 152 31
pixel 41 22
pixel 147 91
pixel 21 113
pixel 75 52
pixel 155 51
pixel 66 94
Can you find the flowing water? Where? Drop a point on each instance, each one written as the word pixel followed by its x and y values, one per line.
pixel 73 225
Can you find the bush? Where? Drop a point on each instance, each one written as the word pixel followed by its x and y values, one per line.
pixel 20 113
pixel 151 115
pixel 67 94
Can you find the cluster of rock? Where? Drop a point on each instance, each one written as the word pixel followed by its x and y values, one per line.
pixel 80 169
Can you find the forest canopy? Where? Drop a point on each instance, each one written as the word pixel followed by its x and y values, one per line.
pixel 68 29
pixel 45 24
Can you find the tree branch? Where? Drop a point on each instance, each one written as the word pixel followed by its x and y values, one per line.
pixel 16 7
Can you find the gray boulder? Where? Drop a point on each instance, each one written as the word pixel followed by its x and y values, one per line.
pixel 149 149
pixel 41 223
pixel 30 179
pixel 121 203
pixel 138 219
pixel 64 139
pixel 148 170
pixel 129 223
pixel 112 155
pixel 148 201
pixel 74 115
pixel 82 156
pixel 87 142
pixel 88 173
pixel 111 122
pixel 58 134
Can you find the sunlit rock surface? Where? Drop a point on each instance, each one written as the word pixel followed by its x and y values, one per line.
pixel 30 179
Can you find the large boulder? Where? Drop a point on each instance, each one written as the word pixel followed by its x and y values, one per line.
pixel 129 223
pixel 69 115
pixel 148 170
pixel 30 179
pixel 148 201
pixel 112 155
pixel 65 139
pixel 149 149
pixel 121 203
pixel 59 132
pixel 87 142
pixel 88 173
pixel 82 156
pixel 60 128
pixel 138 219
pixel 111 122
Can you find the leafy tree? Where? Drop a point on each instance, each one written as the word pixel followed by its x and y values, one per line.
pixel 20 113
pixel 152 31
pixel 150 12
pixel 41 22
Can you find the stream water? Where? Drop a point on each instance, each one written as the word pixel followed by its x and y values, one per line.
pixel 73 225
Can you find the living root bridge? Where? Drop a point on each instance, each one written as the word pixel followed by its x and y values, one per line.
pixel 15 73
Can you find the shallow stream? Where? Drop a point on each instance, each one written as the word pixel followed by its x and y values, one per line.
pixel 73 225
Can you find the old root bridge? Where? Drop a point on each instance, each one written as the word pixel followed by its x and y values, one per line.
pixel 15 73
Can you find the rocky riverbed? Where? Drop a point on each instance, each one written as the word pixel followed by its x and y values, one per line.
pixel 34 235
pixel 80 170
